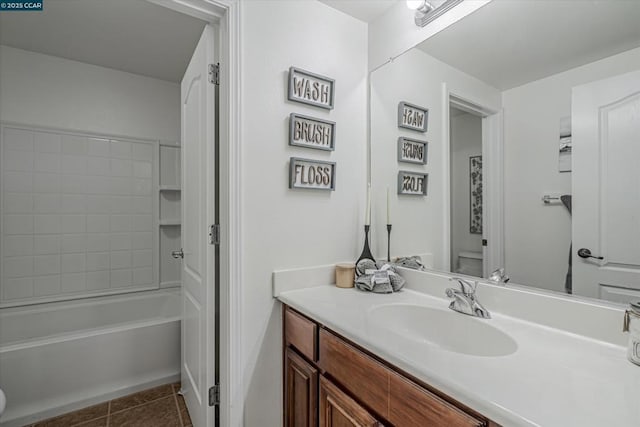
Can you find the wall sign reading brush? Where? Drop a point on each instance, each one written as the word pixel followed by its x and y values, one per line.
pixel 310 132
pixel 310 88
pixel 311 174
pixel 412 117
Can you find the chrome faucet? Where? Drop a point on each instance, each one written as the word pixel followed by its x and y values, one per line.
pixel 499 277
pixel 464 300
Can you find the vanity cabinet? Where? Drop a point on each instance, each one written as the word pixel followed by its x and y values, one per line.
pixel 331 382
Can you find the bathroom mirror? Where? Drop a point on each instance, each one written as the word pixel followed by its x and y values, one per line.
pixel 508 89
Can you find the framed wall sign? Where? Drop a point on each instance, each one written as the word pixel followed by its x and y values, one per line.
pixel 310 88
pixel 412 183
pixel 475 194
pixel 312 174
pixel 310 132
pixel 412 151
pixel 412 117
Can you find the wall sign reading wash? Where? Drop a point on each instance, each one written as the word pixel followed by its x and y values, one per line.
pixel 412 183
pixel 412 117
pixel 310 88
pixel 313 174
pixel 312 133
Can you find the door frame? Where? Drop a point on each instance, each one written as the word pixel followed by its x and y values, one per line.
pixel 225 14
pixel 492 175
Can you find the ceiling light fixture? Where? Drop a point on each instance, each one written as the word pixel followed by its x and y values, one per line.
pixel 422 5
pixel 427 11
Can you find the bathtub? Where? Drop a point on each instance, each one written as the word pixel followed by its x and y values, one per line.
pixel 63 356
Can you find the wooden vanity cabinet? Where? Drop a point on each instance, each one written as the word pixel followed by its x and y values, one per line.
pixel 330 382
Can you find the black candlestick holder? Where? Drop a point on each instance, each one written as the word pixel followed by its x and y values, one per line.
pixel 388 242
pixel 366 252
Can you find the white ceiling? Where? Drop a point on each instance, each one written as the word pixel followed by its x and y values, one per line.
pixel 508 43
pixel 129 35
pixel 364 10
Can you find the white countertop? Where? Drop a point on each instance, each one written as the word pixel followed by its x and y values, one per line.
pixel 554 378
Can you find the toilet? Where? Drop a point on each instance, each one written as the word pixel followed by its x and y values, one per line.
pixel 470 263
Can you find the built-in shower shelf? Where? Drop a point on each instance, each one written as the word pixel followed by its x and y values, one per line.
pixel 170 211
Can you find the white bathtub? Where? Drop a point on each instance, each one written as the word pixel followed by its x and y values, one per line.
pixel 59 357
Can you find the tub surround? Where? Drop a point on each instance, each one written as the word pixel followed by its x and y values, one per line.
pixel 570 367
pixel 87 345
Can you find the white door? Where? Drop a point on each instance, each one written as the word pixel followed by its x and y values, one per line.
pixel 606 187
pixel 198 139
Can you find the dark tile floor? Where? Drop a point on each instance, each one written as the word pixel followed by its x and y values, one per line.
pixel 156 407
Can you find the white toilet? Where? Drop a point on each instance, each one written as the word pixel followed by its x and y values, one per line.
pixel 470 263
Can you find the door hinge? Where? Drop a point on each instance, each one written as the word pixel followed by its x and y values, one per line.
pixel 484 242
pixel 214 395
pixel 214 234
pixel 214 74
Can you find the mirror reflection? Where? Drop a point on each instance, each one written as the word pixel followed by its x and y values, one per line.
pixel 532 141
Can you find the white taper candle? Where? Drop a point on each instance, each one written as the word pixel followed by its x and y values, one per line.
pixel 388 207
pixel 367 215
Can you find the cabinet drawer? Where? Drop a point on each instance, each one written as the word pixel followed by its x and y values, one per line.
pixel 355 371
pixel 301 333
pixel 412 405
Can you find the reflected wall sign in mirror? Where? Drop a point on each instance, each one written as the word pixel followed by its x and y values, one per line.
pixel 502 97
pixel 412 151
pixel 412 117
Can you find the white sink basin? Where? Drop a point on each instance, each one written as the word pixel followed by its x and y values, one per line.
pixel 444 328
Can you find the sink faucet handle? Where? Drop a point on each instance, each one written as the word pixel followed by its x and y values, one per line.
pixel 467 287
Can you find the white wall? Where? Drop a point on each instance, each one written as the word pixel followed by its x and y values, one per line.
pixel 48 91
pixel 537 236
pixel 466 141
pixel 417 78
pixel 285 228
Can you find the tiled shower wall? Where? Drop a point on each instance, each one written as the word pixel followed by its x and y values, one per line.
pixel 77 215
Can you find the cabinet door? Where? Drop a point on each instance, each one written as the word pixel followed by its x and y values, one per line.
pixel 301 392
pixel 339 410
